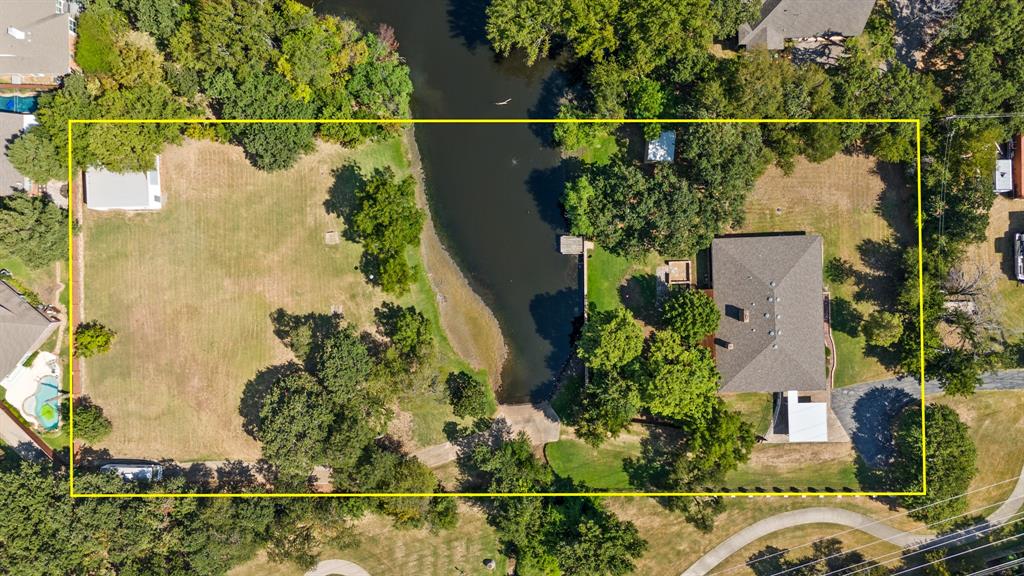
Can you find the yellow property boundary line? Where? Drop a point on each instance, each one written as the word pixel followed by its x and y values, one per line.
pixel 400 121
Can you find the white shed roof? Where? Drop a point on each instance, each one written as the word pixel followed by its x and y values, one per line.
pixel 663 149
pixel 1004 175
pixel 808 421
pixel 106 190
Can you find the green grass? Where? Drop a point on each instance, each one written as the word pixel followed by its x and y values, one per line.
pixel 754 407
pixel 601 151
pixel 605 273
pixel 599 468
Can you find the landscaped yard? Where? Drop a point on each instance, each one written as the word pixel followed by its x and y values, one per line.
pixel 855 203
pixel 754 407
pixel 190 290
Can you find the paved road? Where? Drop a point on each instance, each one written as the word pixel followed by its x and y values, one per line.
pixel 337 568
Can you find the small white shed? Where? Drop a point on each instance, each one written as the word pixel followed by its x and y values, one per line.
pixel 106 190
pixel 663 149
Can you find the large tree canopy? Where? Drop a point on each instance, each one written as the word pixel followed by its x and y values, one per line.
pixel 33 229
pixel 611 339
pixel 951 458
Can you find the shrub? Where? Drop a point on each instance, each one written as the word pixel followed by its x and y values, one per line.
pixel 691 314
pixel 882 328
pixel 469 396
pixel 90 423
pixel 92 338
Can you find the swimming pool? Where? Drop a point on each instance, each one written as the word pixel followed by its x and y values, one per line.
pixel 47 409
pixel 20 104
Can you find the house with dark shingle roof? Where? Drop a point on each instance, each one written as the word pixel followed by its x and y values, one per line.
pixel 783 20
pixel 23 329
pixel 772 333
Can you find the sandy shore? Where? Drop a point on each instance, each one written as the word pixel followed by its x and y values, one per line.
pixel 471 327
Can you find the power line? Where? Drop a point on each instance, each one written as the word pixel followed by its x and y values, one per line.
pixel 994 569
pixel 940 542
pixel 861 528
pixel 877 540
pixel 968 551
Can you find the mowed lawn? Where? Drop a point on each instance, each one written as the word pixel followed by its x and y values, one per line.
pixel 190 290
pixel 383 550
pixel 847 200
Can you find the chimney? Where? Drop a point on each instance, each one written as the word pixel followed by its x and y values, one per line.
pixel 17 34
pixel 729 345
pixel 745 315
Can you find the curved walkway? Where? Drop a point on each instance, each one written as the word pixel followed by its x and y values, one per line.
pixel 337 568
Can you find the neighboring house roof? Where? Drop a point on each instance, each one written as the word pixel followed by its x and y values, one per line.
pixel 35 39
pixel 775 282
pixel 783 19
pixel 22 329
pixel 10 126
pixel 663 149
pixel 105 190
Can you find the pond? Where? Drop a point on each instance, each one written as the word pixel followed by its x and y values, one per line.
pixel 494 189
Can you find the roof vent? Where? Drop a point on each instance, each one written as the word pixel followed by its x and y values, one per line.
pixel 772 283
pixel 771 332
pixel 17 34
pixel 767 315
pixel 771 299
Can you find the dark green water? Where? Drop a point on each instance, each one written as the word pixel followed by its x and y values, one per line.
pixel 494 189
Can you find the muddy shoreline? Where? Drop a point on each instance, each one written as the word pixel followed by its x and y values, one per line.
pixel 471 327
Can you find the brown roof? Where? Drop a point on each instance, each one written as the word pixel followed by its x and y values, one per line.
pixel 777 282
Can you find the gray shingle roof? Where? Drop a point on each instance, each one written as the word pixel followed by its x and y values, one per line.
pixel 22 329
pixel 777 281
pixel 10 126
pixel 46 48
pixel 782 19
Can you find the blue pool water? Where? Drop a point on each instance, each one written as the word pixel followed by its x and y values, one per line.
pixel 20 104
pixel 47 405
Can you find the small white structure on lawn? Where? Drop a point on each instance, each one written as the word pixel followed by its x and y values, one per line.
pixel 663 149
pixel 808 421
pixel 105 190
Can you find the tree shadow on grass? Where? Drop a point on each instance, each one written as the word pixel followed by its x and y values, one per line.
pixel 879 285
pixel 341 198
pixel 845 317
pixel 639 295
pixel 256 391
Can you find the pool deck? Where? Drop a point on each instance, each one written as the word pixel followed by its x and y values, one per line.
pixel 23 383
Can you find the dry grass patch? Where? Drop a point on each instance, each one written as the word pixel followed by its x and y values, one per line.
pixel 996 419
pixel 798 541
pixel 674 545
pixel 847 200
pixel 382 550
pixel 190 289
pixel 994 259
